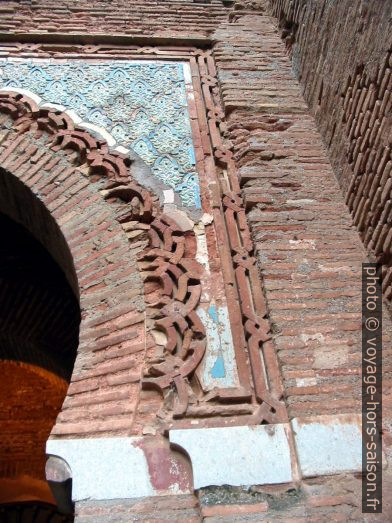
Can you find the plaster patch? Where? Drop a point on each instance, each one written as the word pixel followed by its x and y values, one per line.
pixel 327 357
pixel 168 196
pixel 312 337
pixel 179 217
pixel 187 73
pixel 338 270
pixel 306 382
pixel 303 244
pixel 202 249
pixel 304 201
pixel 122 150
pixel 160 337
pixel 207 219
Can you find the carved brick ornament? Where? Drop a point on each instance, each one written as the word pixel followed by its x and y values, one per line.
pixel 174 278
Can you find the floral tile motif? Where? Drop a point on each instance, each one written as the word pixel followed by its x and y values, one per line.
pixel 142 105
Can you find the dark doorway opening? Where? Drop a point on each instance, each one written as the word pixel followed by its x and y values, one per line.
pixel 39 330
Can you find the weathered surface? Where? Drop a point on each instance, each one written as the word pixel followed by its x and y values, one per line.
pixel 307 250
pixel 341 53
pixel 141 18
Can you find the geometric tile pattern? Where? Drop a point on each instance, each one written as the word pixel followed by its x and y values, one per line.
pixel 142 104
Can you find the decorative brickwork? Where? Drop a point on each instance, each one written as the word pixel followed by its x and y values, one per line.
pixel 41 148
pixel 168 259
pixel 238 267
pixel 271 204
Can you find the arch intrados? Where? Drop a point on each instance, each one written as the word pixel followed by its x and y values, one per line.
pixel 40 314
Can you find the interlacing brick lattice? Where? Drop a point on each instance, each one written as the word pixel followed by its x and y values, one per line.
pixel 173 278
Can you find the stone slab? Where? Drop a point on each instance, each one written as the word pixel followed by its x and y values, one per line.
pixel 104 468
pixel 328 444
pixel 237 456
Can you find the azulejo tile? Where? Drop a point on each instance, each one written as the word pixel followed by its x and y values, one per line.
pixel 142 105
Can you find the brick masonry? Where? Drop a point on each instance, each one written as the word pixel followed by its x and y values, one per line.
pixel 345 74
pixel 32 409
pixel 308 253
pixel 146 18
pixel 330 499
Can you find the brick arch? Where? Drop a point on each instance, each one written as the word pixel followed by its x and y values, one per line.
pixel 74 175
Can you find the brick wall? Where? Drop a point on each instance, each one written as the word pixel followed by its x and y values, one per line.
pixel 307 249
pixel 341 53
pixel 309 254
pixel 30 399
pixel 141 18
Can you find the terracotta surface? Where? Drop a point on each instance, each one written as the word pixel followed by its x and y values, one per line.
pixel 278 193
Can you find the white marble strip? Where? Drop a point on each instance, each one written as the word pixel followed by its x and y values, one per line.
pixel 237 455
pixel 109 468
